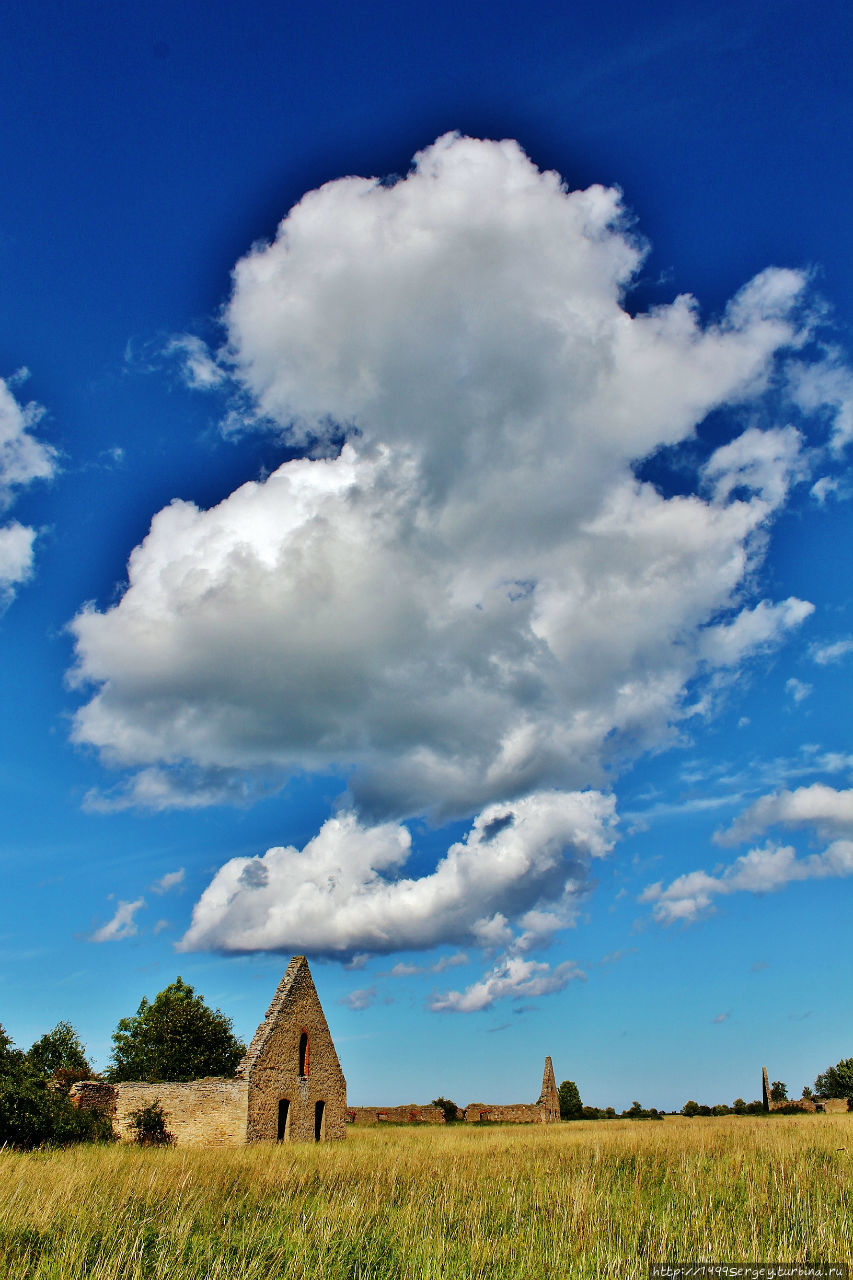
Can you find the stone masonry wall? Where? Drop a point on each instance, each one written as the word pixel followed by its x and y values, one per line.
pixel 517 1113
pixel 271 1066
pixel 199 1113
pixel 411 1113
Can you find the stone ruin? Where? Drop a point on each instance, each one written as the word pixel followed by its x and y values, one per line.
pixel 831 1106
pixel 289 1086
pixel 546 1110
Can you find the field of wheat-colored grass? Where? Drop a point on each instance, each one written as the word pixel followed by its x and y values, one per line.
pixel 587 1199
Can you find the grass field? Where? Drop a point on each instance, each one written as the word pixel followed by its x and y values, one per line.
pixel 584 1199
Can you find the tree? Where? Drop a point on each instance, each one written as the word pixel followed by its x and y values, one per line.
pixel 807 1093
pixel 60 1053
pixel 837 1081
pixel 690 1108
pixel 778 1091
pixel 450 1109
pixel 570 1100
pixel 33 1112
pixel 177 1037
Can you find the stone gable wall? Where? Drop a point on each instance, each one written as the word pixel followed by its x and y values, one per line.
pixel 271 1066
pixel 411 1113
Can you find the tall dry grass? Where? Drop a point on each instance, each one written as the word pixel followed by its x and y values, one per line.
pixel 579 1200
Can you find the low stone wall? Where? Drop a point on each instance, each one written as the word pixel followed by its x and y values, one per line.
pixel 201 1113
pixel 515 1113
pixel 834 1106
pixel 411 1113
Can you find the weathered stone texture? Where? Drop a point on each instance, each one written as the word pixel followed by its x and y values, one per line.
pixel 549 1098
pixel 411 1113
pixel 199 1113
pixel 515 1113
pixel 94 1095
pixel 295 1080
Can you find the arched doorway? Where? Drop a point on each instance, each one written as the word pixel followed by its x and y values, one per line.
pixel 319 1121
pixel 284 1120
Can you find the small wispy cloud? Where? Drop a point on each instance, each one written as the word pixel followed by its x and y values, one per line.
pixel 721 1017
pixel 827 654
pixel 511 977
pixel 360 999
pixel 762 870
pixel 122 924
pixel 171 880
pixel 797 689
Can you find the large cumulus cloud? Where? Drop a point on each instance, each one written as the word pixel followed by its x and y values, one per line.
pixel 346 892
pixel 474 598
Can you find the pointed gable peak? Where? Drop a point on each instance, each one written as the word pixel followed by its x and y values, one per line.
pixel 298 968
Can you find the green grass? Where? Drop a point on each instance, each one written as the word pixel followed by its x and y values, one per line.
pixel 575 1200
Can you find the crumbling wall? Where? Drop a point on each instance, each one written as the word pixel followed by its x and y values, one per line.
pixel 515 1113
pixel 411 1113
pixel 198 1113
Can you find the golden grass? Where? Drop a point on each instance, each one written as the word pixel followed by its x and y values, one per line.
pixel 586 1199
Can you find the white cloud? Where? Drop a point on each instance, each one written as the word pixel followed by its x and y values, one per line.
pixel 23 459
pixel 765 869
pixel 474 598
pixel 16 557
pixel 512 977
pixel 762 870
pixel 171 880
pixel 358 1000
pixel 200 371
pixel 406 970
pixel 821 806
pixel 345 891
pixel 122 924
pixel 826 387
pixel 826 654
pixel 798 689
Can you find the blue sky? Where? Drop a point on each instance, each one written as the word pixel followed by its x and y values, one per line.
pixel 532 627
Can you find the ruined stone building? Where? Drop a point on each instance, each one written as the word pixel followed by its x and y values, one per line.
pixel 544 1111
pixel 289 1086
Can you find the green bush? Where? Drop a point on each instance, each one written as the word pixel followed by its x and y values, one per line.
pixel 149 1126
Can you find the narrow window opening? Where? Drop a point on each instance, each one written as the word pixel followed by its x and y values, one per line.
pixel 303 1055
pixel 319 1120
pixel 283 1120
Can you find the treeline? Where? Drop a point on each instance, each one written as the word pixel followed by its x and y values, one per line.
pixel 835 1082
pixel 174 1037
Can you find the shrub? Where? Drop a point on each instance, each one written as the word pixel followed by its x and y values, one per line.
pixel 450 1109
pixel 149 1126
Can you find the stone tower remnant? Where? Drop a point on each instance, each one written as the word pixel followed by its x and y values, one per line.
pixel 549 1098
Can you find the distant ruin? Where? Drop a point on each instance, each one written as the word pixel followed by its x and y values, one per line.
pixel 546 1110
pixel 832 1106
